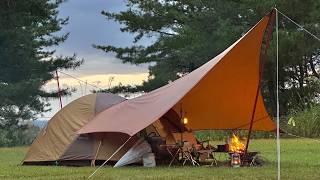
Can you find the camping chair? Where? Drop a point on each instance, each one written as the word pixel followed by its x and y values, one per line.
pixel 250 159
pixel 188 154
pixel 195 150
pixel 184 153
pixel 158 147
pixel 206 153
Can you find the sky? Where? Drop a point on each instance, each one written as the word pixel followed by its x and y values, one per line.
pixel 87 27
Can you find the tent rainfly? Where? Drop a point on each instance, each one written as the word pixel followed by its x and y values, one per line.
pixel 224 93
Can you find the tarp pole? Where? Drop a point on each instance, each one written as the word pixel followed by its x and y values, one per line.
pixel 261 64
pixel 277 59
pixel 181 123
pixel 110 157
pixel 252 117
pixel 254 105
pixel 59 90
pixel 278 106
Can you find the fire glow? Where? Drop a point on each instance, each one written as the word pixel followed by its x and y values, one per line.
pixel 236 145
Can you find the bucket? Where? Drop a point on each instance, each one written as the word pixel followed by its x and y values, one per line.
pixel 149 160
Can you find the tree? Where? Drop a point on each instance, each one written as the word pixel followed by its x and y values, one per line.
pixel 299 58
pixel 189 33
pixel 29 31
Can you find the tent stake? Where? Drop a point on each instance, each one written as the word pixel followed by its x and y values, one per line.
pixel 110 157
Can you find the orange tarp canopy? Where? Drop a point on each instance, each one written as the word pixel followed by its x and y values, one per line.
pixel 221 94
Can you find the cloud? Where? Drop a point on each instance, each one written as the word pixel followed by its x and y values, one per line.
pixel 100 80
pixel 87 27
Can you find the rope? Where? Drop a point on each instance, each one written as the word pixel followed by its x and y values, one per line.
pixel 7 66
pixel 277 88
pixel 81 80
pixel 293 135
pixel 44 117
pixel 110 157
pixel 38 117
pixel 300 26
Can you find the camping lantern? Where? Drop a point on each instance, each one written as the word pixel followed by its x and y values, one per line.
pixel 235 160
pixel 185 120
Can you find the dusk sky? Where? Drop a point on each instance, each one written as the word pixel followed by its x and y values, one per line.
pixel 87 27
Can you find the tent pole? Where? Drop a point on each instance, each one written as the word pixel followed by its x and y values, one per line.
pixel 110 157
pixel 93 162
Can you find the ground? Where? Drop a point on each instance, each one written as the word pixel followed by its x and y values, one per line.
pixel 300 160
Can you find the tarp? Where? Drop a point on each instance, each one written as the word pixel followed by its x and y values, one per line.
pixel 218 95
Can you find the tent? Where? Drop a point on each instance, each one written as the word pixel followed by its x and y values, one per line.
pixel 224 93
pixel 59 143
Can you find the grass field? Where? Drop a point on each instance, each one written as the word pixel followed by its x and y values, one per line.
pixel 300 160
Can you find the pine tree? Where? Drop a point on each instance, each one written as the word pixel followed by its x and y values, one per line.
pixel 187 33
pixel 29 31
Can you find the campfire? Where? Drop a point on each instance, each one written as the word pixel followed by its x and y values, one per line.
pixel 236 149
pixel 238 155
pixel 235 145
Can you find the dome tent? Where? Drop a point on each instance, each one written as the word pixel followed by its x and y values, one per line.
pixel 59 143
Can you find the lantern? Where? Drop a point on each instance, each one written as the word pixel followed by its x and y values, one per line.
pixel 185 120
pixel 235 160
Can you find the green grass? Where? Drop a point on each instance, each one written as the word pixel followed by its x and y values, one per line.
pixel 300 160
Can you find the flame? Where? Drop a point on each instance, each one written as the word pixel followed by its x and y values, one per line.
pixel 236 145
